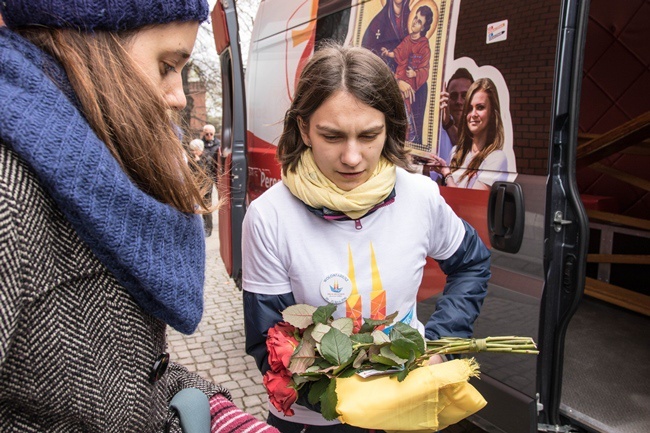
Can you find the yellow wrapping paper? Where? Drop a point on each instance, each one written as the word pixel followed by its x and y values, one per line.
pixel 429 399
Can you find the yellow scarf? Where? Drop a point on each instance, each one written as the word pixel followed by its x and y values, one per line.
pixel 311 186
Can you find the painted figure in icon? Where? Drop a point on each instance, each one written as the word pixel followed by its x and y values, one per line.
pixel 413 57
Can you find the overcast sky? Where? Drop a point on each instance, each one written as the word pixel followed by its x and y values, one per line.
pixel 246 10
pixel 205 50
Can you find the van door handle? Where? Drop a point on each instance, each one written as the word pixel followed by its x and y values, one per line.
pixel 506 220
pixel 499 228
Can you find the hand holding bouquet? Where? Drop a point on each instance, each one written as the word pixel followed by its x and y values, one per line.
pixel 312 353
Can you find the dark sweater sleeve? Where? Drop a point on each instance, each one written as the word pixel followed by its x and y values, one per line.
pixel 260 313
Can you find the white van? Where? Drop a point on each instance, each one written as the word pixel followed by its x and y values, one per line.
pixel 593 372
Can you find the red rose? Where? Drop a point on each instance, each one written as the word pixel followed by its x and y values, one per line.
pixel 281 343
pixel 281 394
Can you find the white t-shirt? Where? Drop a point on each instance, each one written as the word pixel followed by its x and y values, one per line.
pixel 286 248
pixel 493 168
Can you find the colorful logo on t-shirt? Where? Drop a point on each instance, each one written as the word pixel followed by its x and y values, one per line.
pixel 354 304
pixel 336 288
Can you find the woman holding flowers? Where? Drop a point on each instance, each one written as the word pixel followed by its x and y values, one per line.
pixel 349 225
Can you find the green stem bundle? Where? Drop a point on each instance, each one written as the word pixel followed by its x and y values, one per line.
pixel 455 345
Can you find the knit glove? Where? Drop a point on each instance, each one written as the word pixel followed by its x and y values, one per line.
pixel 228 418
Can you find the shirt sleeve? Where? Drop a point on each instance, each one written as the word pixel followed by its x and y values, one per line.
pixel 262 269
pixel 422 69
pixel 447 229
pixel 401 52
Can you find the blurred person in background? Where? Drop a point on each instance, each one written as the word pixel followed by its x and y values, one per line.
pixel 211 152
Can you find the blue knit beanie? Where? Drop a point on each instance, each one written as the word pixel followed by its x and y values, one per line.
pixel 112 15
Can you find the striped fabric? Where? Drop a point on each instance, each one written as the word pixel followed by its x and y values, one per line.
pixel 228 418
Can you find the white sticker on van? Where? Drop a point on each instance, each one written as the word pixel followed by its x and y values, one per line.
pixel 497 32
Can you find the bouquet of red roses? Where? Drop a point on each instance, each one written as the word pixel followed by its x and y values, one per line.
pixel 310 347
pixel 281 342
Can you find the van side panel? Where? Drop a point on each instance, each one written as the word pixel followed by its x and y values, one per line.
pixel 526 60
pixel 514 43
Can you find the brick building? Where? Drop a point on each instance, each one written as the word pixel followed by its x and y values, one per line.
pixel 195 113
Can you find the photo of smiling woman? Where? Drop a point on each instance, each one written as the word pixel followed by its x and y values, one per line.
pixel 478 160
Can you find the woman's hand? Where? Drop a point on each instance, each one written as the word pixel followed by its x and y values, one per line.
pixel 438 165
pixel 436 359
pixel 431 162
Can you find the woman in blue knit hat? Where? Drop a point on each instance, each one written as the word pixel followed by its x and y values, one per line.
pixel 101 246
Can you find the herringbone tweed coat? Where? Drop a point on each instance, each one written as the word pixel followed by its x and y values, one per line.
pixel 75 348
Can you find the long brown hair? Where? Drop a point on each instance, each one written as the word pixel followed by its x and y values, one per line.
pixel 126 112
pixel 361 73
pixel 495 136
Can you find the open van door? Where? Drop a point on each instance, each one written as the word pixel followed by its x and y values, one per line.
pixel 536 226
pixel 566 225
pixel 231 165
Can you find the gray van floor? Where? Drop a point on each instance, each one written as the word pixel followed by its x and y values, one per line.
pixel 606 378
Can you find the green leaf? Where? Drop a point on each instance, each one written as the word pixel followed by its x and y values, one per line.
pixel 306 334
pixel 300 379
pixel 402 347
pixel 344 324
pixel 299 315
pixel 379 337
pixel 373 350
pixel 319 330
pixel 337 370
pixel 322 314
pixel 327 370
pixel 347 372
pixel 369 325
pixel 403 373
pixel 361 356
pixel 328 402
pixel 376 366
pixel 317 389
pixel 362 338
pixel 382 360
pixel 404 339
pixel 322 363
pixel 386 352
pixel 303 358
pixel 336 347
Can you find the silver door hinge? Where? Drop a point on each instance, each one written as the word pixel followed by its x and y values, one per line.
pixel 558 221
